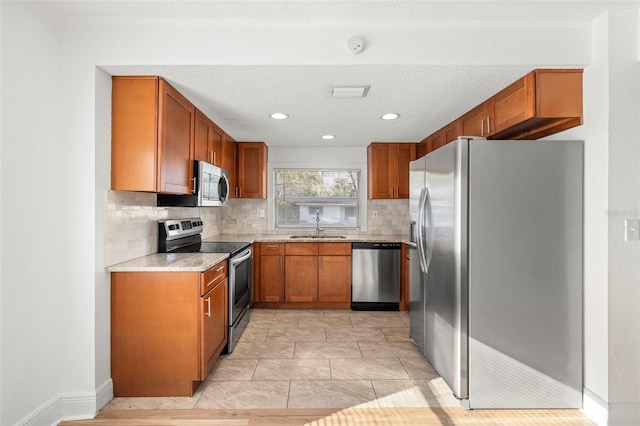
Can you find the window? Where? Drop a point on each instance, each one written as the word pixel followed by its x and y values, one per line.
pixel 304 195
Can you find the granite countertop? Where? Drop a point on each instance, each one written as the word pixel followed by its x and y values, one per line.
pixel 200 262
pixel 170 262
pixel 286 238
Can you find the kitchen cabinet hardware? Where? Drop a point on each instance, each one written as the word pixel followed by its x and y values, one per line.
pixel 208 313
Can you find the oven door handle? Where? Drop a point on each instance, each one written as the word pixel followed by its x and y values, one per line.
pixel 241 258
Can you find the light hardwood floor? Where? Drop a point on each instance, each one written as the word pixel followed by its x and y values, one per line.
pixel 321 368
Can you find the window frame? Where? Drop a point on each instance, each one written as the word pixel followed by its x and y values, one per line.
pixel 358 205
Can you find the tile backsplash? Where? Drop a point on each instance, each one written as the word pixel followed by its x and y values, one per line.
pixel 132 231
pixel 393 217
pixel 131 224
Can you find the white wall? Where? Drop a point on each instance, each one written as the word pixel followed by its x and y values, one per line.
pixel 624 203
pixel 32 169
pixel 55 316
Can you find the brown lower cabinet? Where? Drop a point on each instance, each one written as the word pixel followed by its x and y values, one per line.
pixel 167 330
pixel 304 275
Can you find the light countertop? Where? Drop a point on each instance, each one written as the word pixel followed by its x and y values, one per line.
pixel 286 238
pixel 170 262
pixel 200 262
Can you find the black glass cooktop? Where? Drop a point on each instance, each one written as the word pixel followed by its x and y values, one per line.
pixel 223 247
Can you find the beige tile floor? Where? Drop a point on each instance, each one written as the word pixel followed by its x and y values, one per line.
pixel 316 359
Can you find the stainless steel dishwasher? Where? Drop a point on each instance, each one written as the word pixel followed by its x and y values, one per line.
pixel 375 276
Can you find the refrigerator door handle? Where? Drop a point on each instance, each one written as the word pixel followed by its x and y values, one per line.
pixel 428 212
pixel 424 193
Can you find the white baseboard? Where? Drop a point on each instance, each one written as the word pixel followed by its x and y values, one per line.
pixel 70 406
pixel 595 408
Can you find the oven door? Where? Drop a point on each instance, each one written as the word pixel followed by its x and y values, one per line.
pixel 240 284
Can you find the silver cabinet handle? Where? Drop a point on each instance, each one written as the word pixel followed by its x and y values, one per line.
pixel 194 185
pixel 208 313
pixel 488 124
pixel 220 268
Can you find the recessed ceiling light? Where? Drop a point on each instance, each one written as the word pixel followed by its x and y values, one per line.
pixel 279 116
pixel 328 137
pixel 390 116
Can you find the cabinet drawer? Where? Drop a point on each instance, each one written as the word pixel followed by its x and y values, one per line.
pixel 302 249
pixel 334 249
pixel 212 277
pixel 271 249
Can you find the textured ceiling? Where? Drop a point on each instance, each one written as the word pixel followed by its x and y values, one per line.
pixel 239 98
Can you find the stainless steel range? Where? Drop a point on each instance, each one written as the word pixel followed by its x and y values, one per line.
pixel 185 236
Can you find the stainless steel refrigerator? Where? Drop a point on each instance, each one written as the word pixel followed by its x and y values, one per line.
pixel 496 288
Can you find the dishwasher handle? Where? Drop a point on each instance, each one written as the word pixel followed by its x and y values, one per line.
pixel 375 246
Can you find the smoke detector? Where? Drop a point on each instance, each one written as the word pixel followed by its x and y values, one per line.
pixel 349 92
pixel 355 44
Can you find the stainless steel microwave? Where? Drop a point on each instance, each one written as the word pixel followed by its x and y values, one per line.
pixel 211 188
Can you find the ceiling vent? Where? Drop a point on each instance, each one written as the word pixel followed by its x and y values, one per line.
pixel 349 92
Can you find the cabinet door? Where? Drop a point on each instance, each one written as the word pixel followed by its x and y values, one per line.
pixel 334 279
pixel 252 170
pixel 208 140
pixel 380 171
pixel 405 153
pixel 176 137
pixel 513 105
pixel 215 321
pixel 228 163
pixel 134 133
pixel 451 132
pixel 301 279
pixel 271 279
pixel 474 123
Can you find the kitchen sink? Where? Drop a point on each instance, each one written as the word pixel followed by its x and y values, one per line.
pixel 317 236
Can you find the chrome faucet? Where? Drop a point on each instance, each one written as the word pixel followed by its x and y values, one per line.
pixel 318 229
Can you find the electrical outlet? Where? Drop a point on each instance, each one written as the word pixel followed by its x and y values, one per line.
pixel 631 230
pixel 260 213
pixel 374 214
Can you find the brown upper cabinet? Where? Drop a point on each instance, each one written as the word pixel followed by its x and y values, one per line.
pixel 252 169
pixel 543 102
pixel 388 169
pixel 208 140
pixel 152 137
pixel 228 162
